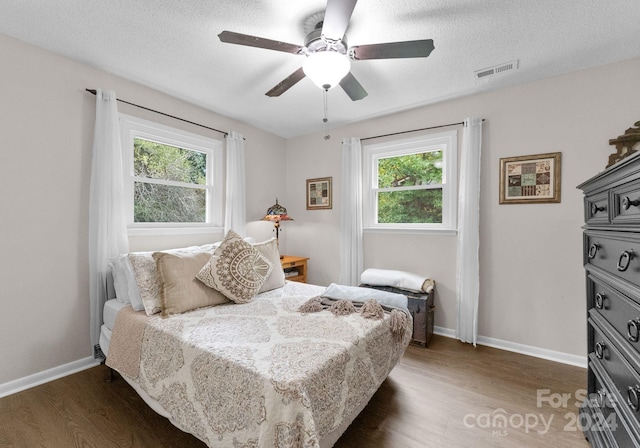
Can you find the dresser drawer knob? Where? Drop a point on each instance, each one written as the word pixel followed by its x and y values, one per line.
pixel 625 260
pixel 595 209
pixel 633 330
pixel 601 398
pixel 627 203
pixel 633 397
pixel 600 300
pixel 599 349
pixel 593 250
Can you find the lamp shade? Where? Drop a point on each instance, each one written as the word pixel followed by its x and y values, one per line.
pixel 326 68
pixel 277 213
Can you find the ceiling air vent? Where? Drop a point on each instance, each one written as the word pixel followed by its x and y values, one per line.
pixel 496 69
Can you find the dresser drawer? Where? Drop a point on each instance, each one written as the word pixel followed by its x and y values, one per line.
pixel 624 378
pixel 615 252
pixel 625 203
pixel 605 425
pixel 596 208
pixel 593 423
pixel 619 310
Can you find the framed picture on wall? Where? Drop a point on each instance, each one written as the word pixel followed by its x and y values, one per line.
pixel 530 179
pixel 319 193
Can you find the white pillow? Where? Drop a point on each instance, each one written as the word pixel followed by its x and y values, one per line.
pixel 396 279
pixel 124 282
pixel 118 266
pixel 269 249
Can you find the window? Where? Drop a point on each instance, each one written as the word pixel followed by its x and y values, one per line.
pixel 411 184
pixel 172 178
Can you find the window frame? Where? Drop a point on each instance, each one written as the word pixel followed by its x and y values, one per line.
pixel 134 127
pixel 447 142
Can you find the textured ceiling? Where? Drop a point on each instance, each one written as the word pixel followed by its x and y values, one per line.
pixel 172 45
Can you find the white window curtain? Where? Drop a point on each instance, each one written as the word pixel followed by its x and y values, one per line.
pixel 351 254
pixel 236 202
pixel 107 221
pixel 468 262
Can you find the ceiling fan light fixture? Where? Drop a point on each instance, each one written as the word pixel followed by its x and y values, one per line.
pixel 326 68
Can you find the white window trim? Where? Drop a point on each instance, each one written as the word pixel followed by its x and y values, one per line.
pixel 446 140
pixel 133 127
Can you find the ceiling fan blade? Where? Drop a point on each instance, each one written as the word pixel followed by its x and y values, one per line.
pixel 352 87
pixel 286 83
pixel 252 41
pixel 390 50
pixel 336 18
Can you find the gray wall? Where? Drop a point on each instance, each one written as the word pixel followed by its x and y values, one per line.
pixel 532 295
pixel 46 130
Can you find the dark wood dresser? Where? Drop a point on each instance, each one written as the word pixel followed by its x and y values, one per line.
pixel 610 416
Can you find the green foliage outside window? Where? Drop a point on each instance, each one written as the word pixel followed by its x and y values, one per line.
pixel 168 203
pixel 405 197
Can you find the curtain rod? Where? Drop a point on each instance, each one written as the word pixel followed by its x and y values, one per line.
pixel 414 130
pixel 93 91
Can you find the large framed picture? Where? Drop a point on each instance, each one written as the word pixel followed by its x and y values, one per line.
pixel 530 179
pixel 319 193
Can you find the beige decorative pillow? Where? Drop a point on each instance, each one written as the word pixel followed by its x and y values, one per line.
pixel 269 249
pixel 148 279
pixel 236 269
pixel 180 291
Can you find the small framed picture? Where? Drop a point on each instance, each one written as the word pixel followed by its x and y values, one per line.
pixel 530 179
pixel 319 193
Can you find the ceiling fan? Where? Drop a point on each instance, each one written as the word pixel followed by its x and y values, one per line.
pixel 328 55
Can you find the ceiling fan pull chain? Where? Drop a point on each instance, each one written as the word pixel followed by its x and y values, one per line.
pixel 325 120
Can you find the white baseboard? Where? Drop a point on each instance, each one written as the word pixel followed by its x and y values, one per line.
pixel 551 355
pixel 45 376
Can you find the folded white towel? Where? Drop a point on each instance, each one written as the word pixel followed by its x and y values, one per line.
pixel 397 279
pixel 358 294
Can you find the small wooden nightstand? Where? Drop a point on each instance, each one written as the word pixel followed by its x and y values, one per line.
pixel 295 268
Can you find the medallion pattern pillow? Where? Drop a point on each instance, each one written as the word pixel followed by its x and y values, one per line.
pixel 236 269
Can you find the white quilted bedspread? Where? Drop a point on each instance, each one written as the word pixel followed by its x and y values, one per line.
pixel 262 374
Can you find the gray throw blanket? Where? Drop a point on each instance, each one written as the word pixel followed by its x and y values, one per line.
pixel 399 318
pixel 359 294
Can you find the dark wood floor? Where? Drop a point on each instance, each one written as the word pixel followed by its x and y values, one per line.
pixel 449 395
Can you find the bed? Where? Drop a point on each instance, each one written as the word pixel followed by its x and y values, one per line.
pixel 266 372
